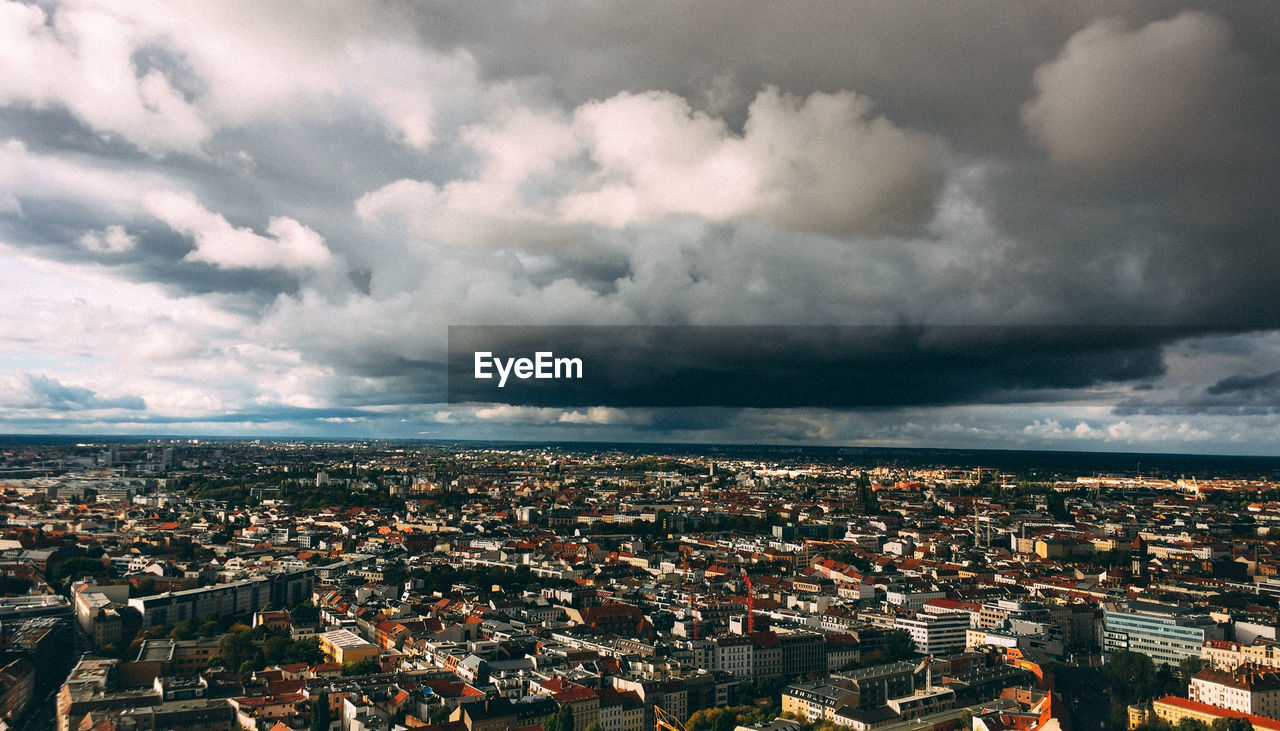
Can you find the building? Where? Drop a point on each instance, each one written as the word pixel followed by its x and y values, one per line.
pixel 17 683
pixel 621 711
pixel 1172 709
pixel 1248 689
pixel 1227 655
pixel 584 702
pixel 1168 634
pixel 924 702
pixel 97 611
pixel 818 701
pixel 500 714
pixel 802 653
pixel 344 646
pixel 91 687
pixel 875 685
pixel 935 633
pixel 734 654
pixel 998 614
pixel 246 597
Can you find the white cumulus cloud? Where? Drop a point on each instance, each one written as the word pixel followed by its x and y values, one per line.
pixel 288 245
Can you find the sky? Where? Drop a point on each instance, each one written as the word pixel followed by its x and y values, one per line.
pixel 261 218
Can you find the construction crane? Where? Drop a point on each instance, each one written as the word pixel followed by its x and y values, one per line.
pixel 663 721
pixel 751 604
pixel 808 553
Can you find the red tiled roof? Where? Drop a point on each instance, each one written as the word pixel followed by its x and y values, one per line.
pixel 1259 722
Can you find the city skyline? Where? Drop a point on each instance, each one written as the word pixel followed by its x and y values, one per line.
pixel 258 219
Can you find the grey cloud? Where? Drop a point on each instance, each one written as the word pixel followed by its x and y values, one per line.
pixel 1160 97
pixel 1243 382
pixel 33 391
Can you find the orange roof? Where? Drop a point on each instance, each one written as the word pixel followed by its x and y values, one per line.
pixel 1260 722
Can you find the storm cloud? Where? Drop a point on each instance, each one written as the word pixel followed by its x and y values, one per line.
pixel 271 209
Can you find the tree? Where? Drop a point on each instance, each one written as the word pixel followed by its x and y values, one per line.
pixel 1192 724
pixel 898 645
pixel 245 670
pixel 1232 724
pixel 77 567
pixel 305 613
pixel 562 721
pixel 321 716
pixel 1186 669
pixel 367 666
pixel 704 719
pixel 237 650
pixel 275 648
pixel 306 650
pixel 1058 507
pixel 1131 675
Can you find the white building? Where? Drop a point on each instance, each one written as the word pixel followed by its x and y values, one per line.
pixel 1248 689
pixel 935 633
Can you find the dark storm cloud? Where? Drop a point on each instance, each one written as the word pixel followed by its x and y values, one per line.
pixel 1245 383
pixel 962 70
pixel 787 367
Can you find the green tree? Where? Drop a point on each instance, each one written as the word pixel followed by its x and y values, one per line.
pixel 321 716
pixel 1192 724
pixel 245 669
pixel 705 719
pixel 368 666
pixel 306 650
pixel 1186 669
pixel 275 648
pixel 898 645
pixel 1131 675
pixel 1232 724
pixel 77 567
pixel 562 721
pixel 305 613
pixel 237 649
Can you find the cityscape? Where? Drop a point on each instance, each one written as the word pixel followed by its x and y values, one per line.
pixel 592 365
pixel 303 584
